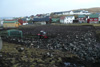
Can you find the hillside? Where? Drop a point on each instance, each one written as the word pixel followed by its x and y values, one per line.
pixel 92 10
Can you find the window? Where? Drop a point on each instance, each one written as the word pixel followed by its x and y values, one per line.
pixel 95 19
pixel 91 19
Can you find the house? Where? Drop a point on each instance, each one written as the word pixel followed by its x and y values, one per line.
pixel 68 13
pixel 99 16
pixel 54 20
pixel 23 21
pixel 81 12
pixel 67 19
pixel 42 19
pixel 75 12
pixel 11 24
pixel 27 18
pixel 93 18
pixel 31 17
pixel 20 21
pixel 1 23
pixel 62 19
pixel 58 13
pixel 81 18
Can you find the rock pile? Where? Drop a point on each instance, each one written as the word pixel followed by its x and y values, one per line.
pixel 79 40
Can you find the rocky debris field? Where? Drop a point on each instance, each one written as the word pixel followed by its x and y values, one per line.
pixel 20 56
pixel 78 40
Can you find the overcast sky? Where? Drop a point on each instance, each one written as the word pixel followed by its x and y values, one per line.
pixel 19 8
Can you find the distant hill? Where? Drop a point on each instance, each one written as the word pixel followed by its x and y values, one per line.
pixel 6 18
pixel 92 10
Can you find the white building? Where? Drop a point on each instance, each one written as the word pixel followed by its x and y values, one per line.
pixel 25 23
pixel 76 12
pixel 67 19
pixel 68 13
pixel 62 19
pixel 58 13
pixel 1 23
pixel 99 16
pixel 81 12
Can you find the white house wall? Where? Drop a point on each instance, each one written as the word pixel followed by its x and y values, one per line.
pixel 99 18
pixel 61 21
pixel 78 13
pixel 68 13
pixel 81 13
pixel 1 23
pixel 69 19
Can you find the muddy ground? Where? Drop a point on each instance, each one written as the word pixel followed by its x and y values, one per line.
pixel 76 46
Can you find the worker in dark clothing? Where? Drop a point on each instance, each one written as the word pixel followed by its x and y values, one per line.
pixel 40 34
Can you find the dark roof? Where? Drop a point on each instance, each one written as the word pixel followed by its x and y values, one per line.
pixel 76 11
pixel 58 12
pixel 46 18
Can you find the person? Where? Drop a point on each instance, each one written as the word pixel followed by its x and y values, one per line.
pixel 42 34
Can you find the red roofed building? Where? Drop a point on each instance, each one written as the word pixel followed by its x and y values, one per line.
pixel 93 18
pixel 21 21
pixel 67 19
pixel 62 19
